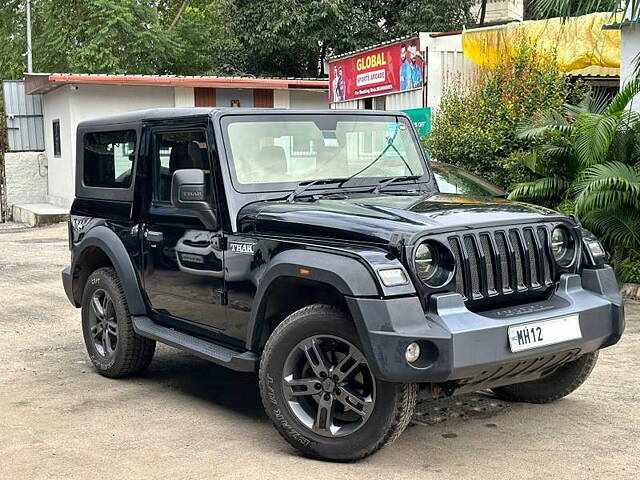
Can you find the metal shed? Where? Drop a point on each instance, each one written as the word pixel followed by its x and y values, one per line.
pixel 23 117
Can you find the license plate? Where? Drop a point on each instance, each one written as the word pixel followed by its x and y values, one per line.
pixel 543 333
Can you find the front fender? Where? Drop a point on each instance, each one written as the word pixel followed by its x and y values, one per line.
pixel 106 240
pixel 348 275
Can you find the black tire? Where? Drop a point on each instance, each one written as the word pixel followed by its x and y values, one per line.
pixel 391 410
pixel 131 353
pixel 554 386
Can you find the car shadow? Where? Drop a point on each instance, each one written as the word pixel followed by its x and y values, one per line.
pixel 211 383
pixel 239 392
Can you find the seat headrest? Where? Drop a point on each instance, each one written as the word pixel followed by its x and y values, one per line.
pixel 198 157
pixel 178 157
pixel 273 159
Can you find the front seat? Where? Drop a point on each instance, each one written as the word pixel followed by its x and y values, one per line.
pixel 273 161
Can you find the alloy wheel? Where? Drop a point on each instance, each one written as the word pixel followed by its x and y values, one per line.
pixel 328 385
pixel 103 324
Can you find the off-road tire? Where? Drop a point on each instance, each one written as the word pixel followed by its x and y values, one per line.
pixel 133 353
pixel 391 413
pixel 554 386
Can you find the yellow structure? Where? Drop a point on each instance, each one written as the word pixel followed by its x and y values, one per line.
pixel 579 45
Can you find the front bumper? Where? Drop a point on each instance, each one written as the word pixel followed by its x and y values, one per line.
pixel 470 351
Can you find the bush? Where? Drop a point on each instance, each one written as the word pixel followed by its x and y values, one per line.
pixel 628 270
pixel 475 126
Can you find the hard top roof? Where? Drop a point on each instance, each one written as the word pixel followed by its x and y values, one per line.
pixel 168 113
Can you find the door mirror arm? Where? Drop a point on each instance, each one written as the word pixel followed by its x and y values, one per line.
pixel 189 190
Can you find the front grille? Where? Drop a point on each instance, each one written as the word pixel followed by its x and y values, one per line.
pixel 502 262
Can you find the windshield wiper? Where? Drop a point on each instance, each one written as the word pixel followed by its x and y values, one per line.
pixel 390 144
pixel 303 186
pixel 389 181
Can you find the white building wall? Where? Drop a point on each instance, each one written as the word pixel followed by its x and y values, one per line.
pixel 184 97
pixel 629 51
pixel 26 174
pixel 281 99
pixel 72 105
pixel 499 10
pixel 60 172
pixel 308 99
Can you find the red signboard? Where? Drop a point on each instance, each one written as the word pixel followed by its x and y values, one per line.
pixel 379 71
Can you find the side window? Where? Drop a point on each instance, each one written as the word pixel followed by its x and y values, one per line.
pixel 174 151
pixel 108 158
pixel 56 138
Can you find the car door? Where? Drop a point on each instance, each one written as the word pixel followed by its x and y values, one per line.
pixel 183 270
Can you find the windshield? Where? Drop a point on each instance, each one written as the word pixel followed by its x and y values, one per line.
pixel 456 180
pixel 278 152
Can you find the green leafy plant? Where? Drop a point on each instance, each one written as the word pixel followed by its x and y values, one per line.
pixel 588 156
pixel 475 126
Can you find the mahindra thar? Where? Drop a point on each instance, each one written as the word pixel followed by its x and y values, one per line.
pixel 314 248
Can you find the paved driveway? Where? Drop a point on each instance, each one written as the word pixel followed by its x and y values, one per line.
pixel 187 419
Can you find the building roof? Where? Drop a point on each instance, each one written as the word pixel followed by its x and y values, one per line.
pixel 45 82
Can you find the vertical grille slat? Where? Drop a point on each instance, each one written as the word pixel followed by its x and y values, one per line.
pixel 516 246
pixel 474 265
pixel 532 250
pixel 505 262
pixel 489 262
pixel 548 266
pixel 457 256
pixel 502 262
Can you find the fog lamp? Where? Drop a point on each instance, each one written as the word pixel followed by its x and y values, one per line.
pixel 412 353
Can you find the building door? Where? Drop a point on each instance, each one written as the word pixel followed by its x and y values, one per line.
pixel 262 98
pixel 204 97
pixel 183 261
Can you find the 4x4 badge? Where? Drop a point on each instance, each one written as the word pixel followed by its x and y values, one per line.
pixel 246 248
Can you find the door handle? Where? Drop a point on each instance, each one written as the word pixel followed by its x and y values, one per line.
pixel 153 237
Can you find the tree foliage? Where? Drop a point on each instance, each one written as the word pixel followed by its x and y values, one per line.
pixel 190 37
pixel 294 37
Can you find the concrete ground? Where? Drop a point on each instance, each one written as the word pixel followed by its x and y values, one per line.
pixel 188 419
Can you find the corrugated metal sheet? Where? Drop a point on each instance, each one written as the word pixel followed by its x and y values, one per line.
pixel 23 113
pixel 348 105
pixel 403 100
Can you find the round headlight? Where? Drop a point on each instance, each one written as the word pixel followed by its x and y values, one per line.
pixel 562 246
pixel 434 264
pixel 426 261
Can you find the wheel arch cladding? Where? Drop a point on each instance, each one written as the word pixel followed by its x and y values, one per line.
pixel 101 244
pixel 343 275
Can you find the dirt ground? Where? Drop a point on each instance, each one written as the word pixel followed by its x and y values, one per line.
pixel 187 419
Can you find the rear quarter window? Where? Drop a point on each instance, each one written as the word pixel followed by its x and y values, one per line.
pixel 108 158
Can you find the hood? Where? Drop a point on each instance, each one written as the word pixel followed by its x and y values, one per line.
pixel 376 219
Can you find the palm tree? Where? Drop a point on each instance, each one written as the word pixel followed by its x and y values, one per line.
pixel 588 156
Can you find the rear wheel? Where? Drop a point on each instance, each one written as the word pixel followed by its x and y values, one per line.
pixel 115 349
pixel 553 387
pixel 320 393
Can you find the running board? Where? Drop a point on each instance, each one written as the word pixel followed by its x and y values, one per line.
pixel 240 361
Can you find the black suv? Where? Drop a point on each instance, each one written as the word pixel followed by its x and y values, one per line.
pixel 313 247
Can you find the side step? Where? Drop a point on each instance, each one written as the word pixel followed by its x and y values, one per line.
pixel 240 361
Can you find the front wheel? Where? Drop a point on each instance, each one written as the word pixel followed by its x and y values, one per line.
pixel 320 392
pixel 554 386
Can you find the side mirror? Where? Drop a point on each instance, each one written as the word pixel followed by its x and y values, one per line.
pixel 189 188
